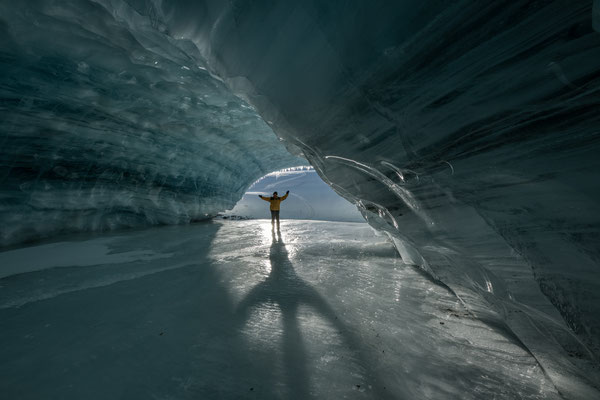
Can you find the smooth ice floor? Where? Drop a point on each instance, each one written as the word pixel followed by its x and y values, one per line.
pixel 228 310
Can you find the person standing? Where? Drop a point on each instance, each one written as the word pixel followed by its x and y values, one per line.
pixel 275 202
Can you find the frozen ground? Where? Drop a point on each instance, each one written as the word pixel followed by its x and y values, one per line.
pixel 466 130
pixel 229 310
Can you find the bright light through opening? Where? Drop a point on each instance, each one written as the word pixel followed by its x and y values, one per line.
pixel 309 198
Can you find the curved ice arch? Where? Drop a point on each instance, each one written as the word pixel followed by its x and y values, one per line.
pixel 108 122
pixel 492 105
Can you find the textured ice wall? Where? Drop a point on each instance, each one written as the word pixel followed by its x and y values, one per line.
pixel 108 122
pixel 468 130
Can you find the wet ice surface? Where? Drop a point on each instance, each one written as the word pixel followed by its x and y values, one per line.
pixel 229 310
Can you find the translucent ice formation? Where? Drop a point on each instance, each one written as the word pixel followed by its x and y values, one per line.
pixel 467 130
pixel 105 126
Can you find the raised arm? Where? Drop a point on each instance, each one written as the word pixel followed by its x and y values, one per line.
pixel 264 198
pixel 285 196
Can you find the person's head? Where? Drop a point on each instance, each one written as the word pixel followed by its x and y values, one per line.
pixel 274 194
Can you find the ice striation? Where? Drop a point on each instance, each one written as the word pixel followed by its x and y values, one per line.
pixel 467 131
pixel 107 127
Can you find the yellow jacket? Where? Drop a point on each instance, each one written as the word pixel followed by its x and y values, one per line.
pixel 274 202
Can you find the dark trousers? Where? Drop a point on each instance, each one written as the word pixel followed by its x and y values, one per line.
pixel 275 215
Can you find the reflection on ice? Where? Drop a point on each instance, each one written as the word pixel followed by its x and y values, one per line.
pixel 91 252
pixel 343 317
pixel 284 291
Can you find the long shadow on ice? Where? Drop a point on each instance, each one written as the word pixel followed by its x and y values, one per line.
pixel 289 292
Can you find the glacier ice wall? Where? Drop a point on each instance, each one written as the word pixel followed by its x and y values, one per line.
pixel 467 130
pixel 107 123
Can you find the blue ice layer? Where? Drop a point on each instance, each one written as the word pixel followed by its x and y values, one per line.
pixel 467 130
pixel 110 123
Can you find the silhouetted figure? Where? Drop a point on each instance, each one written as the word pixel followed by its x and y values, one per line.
pixel 274 207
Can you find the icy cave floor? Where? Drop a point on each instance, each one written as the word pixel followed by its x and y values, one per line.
pixel 230 310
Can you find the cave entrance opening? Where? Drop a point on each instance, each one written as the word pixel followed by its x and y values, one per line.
pixel 310 198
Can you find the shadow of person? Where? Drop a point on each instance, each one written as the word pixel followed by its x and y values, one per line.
pixel 286 289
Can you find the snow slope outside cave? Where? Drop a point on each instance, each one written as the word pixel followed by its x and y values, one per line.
pixel 310 198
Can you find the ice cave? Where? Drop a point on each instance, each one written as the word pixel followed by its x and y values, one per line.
pixel 452 252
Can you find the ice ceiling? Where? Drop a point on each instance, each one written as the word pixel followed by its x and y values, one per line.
pixel 468 131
